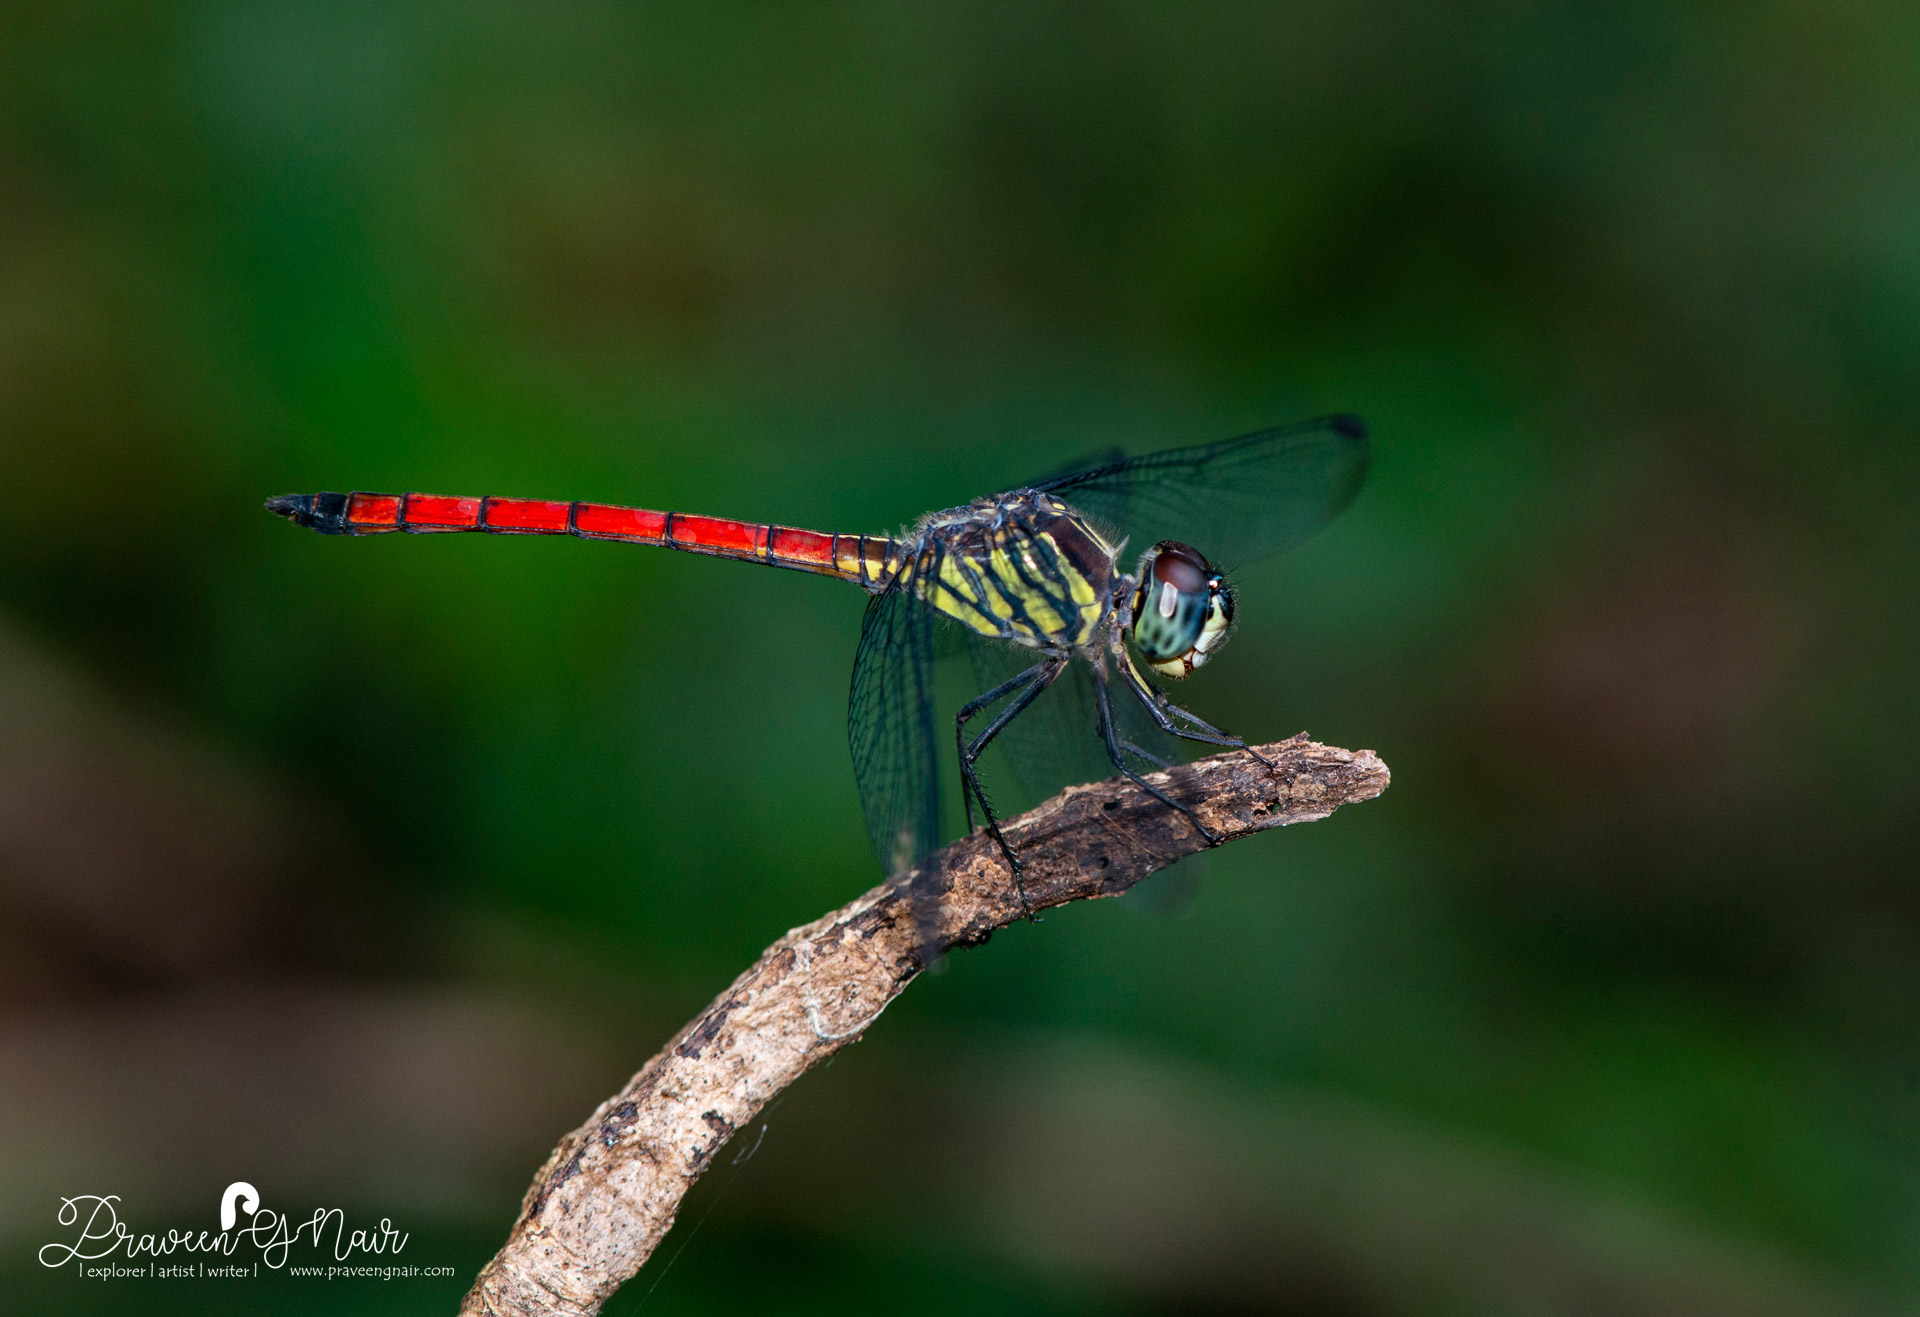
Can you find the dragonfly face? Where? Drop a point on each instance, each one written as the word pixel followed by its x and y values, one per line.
pixel 1182 609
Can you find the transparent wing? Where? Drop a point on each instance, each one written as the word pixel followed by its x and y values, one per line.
pixel 890 730
pixel 1235 501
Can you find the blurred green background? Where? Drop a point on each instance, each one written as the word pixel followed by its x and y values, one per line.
pixel 362 870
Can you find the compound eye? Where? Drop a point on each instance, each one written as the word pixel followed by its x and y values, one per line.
pixel 1177 565
pixel 1181 609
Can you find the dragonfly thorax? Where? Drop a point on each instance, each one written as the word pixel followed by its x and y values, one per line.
pixel 1022 567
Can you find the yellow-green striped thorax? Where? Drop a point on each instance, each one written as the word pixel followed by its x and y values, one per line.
pixel 1023 567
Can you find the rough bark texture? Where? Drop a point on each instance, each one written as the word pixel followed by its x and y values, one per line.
pixel 609 1192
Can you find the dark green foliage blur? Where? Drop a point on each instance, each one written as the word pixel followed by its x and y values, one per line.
pixel 1629 295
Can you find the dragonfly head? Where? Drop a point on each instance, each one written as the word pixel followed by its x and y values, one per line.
pixel 1182 609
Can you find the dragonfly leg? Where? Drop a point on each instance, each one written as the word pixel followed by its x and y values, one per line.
pixel 1104 703
pixel 973 707
pixel 1029 684
pixel 1146 756
pixel 1164 711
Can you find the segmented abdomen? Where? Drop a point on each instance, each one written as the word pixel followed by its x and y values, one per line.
pixel 869 560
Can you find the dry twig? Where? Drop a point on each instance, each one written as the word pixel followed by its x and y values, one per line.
pixel 609 1192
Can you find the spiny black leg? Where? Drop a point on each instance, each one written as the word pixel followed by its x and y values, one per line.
pixel 973 707
pixel 1160 707
pixel 971 777
pixel 1037 678
pixel 1107 734
pixel 1146 756
pixel 1162 710
pixel 1043 675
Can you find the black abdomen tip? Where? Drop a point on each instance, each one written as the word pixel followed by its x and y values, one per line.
pixel 326 513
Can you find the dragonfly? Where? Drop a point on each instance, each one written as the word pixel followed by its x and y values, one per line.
pixel 1036 582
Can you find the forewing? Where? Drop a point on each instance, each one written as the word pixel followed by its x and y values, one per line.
pixel 890 728
pixel 1235 501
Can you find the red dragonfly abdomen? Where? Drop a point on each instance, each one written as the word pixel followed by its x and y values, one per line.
pixel 870 560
